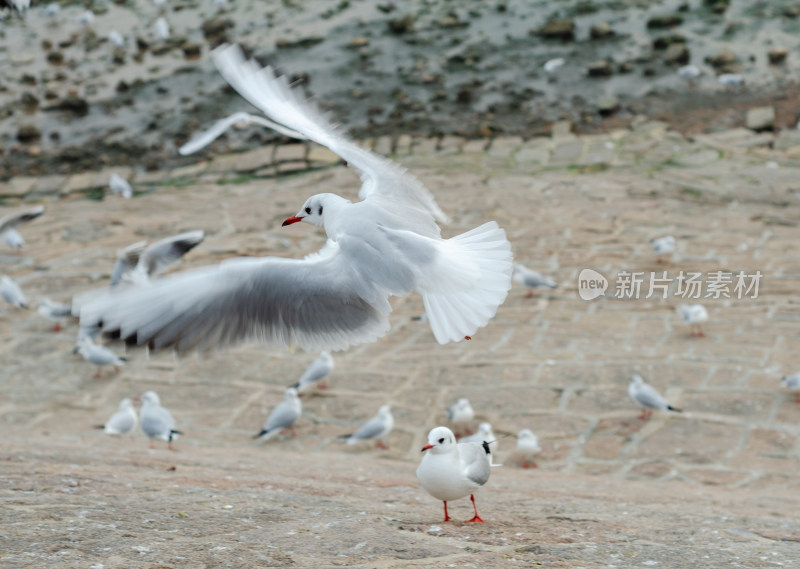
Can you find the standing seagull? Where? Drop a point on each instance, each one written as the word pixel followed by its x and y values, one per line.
pixel 123 421
pixel 157 421
pixel 532 279
pixel 388 244
pixel 283 416
pixel 376 428
pixel 11 293
pixel 117 183
pixel 645 395
pixel 694 315
pixel 451 470
pixel 663 246
pixel 527 447
pixel 54 311
pixel 99 355
pixel 485 434
pixel 460 414
pixel 316 372
pixel 9 223
pixel 792 382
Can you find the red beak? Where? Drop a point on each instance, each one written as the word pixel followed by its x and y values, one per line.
pixel 426 447
pixel 291 220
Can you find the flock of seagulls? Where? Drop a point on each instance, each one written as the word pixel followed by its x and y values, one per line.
pixel 387 244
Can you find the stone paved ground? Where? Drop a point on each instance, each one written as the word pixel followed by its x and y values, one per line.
pixel 716 485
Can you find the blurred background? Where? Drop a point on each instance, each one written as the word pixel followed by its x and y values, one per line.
pixel 94 82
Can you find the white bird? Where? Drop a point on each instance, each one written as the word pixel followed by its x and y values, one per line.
pixel 54 311
pixel 484 434
pixel 51 10
pixel 553 65
pixel 792 382
pixel 9 223
pixel 157 422
pixel 11 293
pixel 388 244
pixel 663 245
pixel 127 259
pixel 99 355
pixel 689 72
pixel 451 470
pixel 283 416
pixel 530 278
pixel 730 79
pixel 646 395
pixel 19 6
pixel 319 369
pixel 86 18
pixel 162 29
pixel 694 315
pixel 236 120
pixel 527 447
pixel 122 422
pixel 461 411
pixel 118 40
pixel 137 263
pixel 120 185
pixel 376 428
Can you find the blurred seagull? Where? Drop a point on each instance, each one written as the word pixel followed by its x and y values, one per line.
pixel 792 382
pixel 485 434
pixel 138 263
pixel 645 395
pixel 388 244
pixel 694 315
pixel 87 18
pixel 552 65
pixel 99 355
pixel 283 416
pixel 689 72
pixel 162 29
pixel 532 279
pixel 730 79
pixel 9 223
pixel 118 184
pixel 122 422
pixel 451 470
pixel 461 411
pixel 527 447
pixel 663 246
pixel 319 369
pixel 18 6
pixel 157 422
pixel 376 428
pixel 236 120
pixel 55 311
pixel 118 40
pixel 11 293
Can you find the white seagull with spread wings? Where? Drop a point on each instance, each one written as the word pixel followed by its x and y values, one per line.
pixel 388 244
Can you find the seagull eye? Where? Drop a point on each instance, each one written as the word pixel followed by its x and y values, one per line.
pixel 308 210
pixel 441 441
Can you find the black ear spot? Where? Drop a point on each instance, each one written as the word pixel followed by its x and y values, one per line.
pixel 441 441
pixel 308 210
pixel 320 210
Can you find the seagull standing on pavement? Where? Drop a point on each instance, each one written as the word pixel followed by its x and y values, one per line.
pixel 157 422
pixel 376 428
pixel 122 422
pixel 9 223
pixel 450 470
pixel 531 279
pixel 647 397
pixel 319 369
pixel 694 315
pixel 283 416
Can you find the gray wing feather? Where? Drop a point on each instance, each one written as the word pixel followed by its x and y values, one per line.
pixel 282 417
pixel 316 304
pixel 215 131
pixel 162 254
pixel 317 370
pixel 24 216
pixel 477 463
pixel 370 430
pixel 121 422
pixel 647 395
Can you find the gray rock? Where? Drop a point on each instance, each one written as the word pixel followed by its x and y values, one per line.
pixel 558 28
pixel 665 21
pixel 777 55
pixel 608 106
pixel 28 133
pixel 677 53
pixel 761 118
pixel 601 30
pixel 601 68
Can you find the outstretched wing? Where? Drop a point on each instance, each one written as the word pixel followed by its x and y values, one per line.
pixel 23 216
pixel 317 304
pixel 215 131
pixel 162 254
pixel 384 182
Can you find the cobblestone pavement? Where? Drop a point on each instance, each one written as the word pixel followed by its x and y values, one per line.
pixel 553 363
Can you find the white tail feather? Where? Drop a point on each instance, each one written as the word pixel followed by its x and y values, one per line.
pixel 472 286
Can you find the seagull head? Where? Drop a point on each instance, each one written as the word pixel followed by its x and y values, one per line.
pixel 150 398
pixel 290 394
pixel 315 209
pixel 637 380
pixel 440 439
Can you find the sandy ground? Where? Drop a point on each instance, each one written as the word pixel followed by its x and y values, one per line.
pixel 713 486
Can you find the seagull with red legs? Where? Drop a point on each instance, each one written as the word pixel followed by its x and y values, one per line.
pixel 527 447
pixel 792 382
pixel 318 370
pixel 387 244
pixel 645 395
pixel 450 470
pixel 694 315
pixel 282 417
